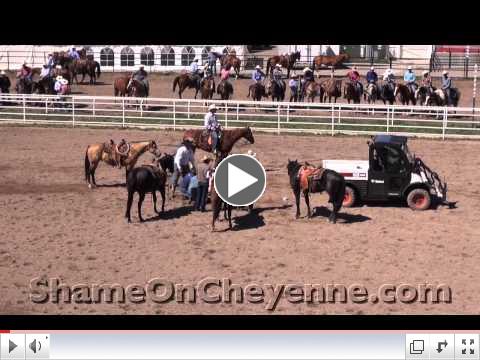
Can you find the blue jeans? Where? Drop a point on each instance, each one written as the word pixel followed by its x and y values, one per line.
pixel 201 199
pixel 214 135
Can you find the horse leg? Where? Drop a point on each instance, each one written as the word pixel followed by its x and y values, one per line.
pixel 129 205
pixel 162 192
pixel 229 213
pixel 140 201
pixel 297 202
pixel 307 201
pixel 93 177
pixel 154 199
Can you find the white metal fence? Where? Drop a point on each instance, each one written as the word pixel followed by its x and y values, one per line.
pixel 326 118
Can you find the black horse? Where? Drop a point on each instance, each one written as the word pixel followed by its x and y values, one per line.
pixel 4 84
pixel 44 86
pixel 387 93
pixel 145 179
pixel 306 179
pixel 274 90
pixel 166 162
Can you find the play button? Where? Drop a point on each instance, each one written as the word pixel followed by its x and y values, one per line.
pixel 11 346
pixel 240 180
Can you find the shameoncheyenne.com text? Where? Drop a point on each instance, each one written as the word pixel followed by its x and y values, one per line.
pixel 215 290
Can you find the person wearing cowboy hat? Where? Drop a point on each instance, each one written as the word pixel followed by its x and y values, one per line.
pixel 258 75
pixel 293 85
pixel 45 73
pixel 204 171
pixel 410 78
pixel 73 53
pixel 213 126
pixel 58 84
pixel 50 61
pixel 141 76
pixel 389 78
pixel 277 76
pixel 4 83
pixel 308 76
pixel 183 161
pixel 372 76
pixel 447 87
pixel 354 77
pixel 427 82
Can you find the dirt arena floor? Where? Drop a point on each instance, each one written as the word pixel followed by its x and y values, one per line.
pixel 161 87
pixel 52 225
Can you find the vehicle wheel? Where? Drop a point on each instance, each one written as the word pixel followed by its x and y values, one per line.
pixel 419 199
pixel 350 197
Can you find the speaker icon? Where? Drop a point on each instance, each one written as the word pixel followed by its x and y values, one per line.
pixel 35 346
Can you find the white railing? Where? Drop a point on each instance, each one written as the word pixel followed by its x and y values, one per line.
pixel 326 118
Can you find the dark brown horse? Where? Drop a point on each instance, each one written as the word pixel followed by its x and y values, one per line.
pixel 233 61
pixel 287 61
pixel 333 88
pixel 405 94
pixel 65 73
pixel 328 60
pixel 185 81
pixel 136 88
pixel 257 91
pixel 88 67
pixel 351 92
pixel 226 141
pixel 225 89
pixel 208 88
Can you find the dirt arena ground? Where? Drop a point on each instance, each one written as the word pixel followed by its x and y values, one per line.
pixel 52 225
pixel 161 87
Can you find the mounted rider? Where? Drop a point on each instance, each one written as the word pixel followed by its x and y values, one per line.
pixel 73 54
pixel 195 72
pixel 213 127
pixel 50 61
pixel 372 76
pixel 409 79
pixel 277 76
pixel 427 82
pixel 354 77
pixel 26 73
pixel 212 61
pixel 141 76
pixel 307 77
pixel 293 84
pixel 58 84
pixel 258 75
pixel 447 87
pixel 389 78
pixel 46 72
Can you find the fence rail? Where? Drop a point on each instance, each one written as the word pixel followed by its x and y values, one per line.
pixel 318 118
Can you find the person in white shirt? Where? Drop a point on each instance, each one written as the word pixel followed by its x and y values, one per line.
pixel 184 161
pixel 58 84
pixel 45 73
pixel 213 126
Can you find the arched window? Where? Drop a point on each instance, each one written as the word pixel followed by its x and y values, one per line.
pixel 127 57
pixel 106 57
pixel 88 52
pixel 167 56
pixel 205 52
pixel 188 55
pixel 147 56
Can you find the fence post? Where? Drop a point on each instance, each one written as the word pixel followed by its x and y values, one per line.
pixel 445 119
pixel 278 120
pixel 93 107
pixel 123 112
pixel 388 120
pixel 288 113
pixel 333 119
pixel 392 114
pixel 238 110
pixel 8 60
pixel 24 110
pixel 188 110
pixel 141 108
pixel 46 106
pixel 174 114
pixel 73 111
pixel 226 115
pixel 475 71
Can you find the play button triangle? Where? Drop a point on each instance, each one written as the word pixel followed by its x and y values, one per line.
pixel 238 180
pixel 11 346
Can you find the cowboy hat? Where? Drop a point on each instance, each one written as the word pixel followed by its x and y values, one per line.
pixel 59 78
pixel 212 107
pixel 196 60
pixel 409 68
pixel 58 67
pixel 278 65
pixel 372 68
pixel 64 81
pixel 258 67
pixel 251 153
pixel 2 72
pixel 206 158
pixel 425 72
pixel 445 72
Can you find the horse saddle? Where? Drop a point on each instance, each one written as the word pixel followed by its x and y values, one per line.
pixel 308 174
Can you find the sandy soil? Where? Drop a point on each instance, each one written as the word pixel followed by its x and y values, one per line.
pixel 54 226
pixel 161 87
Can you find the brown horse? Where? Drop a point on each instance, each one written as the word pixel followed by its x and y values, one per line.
pixel 225 89
pixel 233 61
pixel 65 73
pixel 120 85
pixel 328 60
pixel 333 88
pixel 185 81
pixel 256 91
pixel 351 92
pixel 88 67
pixel 287 61
pixel 314 89
pixel 405 95
pixel 208 88
pixel 226 141
pixel 113 155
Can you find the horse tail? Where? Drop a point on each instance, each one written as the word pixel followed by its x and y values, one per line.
pixel 87 164
pixel 175 82
pixel 268 66
pixel 313 64
pixel 97 67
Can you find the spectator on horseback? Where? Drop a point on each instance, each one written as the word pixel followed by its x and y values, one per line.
pixel 258 75
pixel 447 87
pixel 409 79
pixel 427 82
pixel 203 173
pixel 277 75
pixel 58 84
pixel 308 76
pixel 141 76
pixel 372 76
pixel 354 77
pixel 194 67
pixel 73 54
pixel 389 78
pixel 213 126
pixel 4 83
pixel 50 61
pixel 293 85
pixel 45 73
pixel 184 161
pixel 225 72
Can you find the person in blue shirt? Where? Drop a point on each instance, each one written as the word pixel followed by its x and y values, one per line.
pixel 372 76
pixel 409 79
pixel 258 75
pixel 447 87
pixel 73 54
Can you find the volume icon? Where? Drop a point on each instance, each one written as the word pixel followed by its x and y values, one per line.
pixel 35 346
